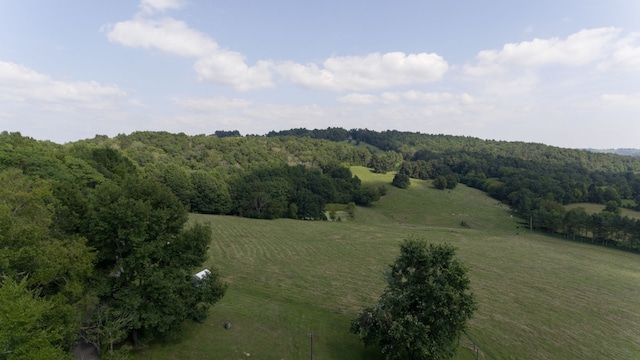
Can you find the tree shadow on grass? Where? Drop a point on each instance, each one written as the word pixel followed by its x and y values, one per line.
pixel 351 348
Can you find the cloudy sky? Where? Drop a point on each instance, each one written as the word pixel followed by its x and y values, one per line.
pixel 559 72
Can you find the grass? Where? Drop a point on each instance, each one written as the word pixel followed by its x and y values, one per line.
pixel 596 208
pixel 539 297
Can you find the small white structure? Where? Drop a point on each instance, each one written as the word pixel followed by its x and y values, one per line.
pixel 202 274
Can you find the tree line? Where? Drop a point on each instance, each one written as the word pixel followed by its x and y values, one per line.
pixel 94 236
pixel 91 246
pixel 536 180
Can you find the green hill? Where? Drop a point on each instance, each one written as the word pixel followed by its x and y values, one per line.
pixel 538 296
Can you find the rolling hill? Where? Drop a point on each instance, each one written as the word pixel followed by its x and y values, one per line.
pixel 539 296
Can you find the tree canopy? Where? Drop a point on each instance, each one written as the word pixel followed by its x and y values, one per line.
pixel 146 260
pixel 106 217
pixel 425 306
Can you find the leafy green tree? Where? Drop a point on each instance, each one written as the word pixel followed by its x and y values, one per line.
pixel 440 182
pixel 575 222
pixel 26 331
pixel 548 215
pixel 383 163
pixel 53 267
pixel 612 206
pixel 367 194
pixel 452 181
pixel 401 180
pixel 611 194
pixel 146 260
pixel 425 306
pixel 179 181
pixel 112 163
pixel 210 194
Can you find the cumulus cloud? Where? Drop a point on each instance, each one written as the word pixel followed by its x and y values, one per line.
pixel 167 35
pixel 359 99
pixel 373 71
pixel 412 108
pixel 214 104
pixel 621 100
pixel 20 84
pixel 583 47
pixel 396 97
pixel 625 55
pixel 213 63
pixel 229 68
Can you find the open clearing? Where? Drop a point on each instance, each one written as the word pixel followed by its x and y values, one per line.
pixel 596 208
pixel 539 297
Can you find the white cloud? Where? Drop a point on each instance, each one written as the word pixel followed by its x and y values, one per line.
pixel 229 68
pixel 397 97
pixel 20 84
pixel 151 6
pixel 510 86
pixel 287 113
pixel 427 97
pixel 577 49
pixel 373 71
pixel 625 56
pixel 359 99
pixel 621 100
pixel 168 35
pixel 215 104
pixel 213 63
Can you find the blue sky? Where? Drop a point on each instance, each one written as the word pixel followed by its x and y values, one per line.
pixel 563 73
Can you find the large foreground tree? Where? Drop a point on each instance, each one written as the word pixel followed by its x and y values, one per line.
pixel 146 261
pixel 425 307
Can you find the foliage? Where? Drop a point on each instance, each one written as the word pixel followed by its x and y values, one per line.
pixel 52 194
pixel 425 307
pixel 401 180
pixel 531 178
pixel 583 296
pixel 146 260
pixel 52 268
pixel 26 331
pixel 275 191
pixel 210 193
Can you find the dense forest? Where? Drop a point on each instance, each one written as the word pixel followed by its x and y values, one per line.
pixel 536 180
pixel 88 227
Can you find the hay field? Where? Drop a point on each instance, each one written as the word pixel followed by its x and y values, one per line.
pixel 539 297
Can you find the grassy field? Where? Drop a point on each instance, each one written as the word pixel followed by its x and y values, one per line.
pixel 596 208
pixel 539 297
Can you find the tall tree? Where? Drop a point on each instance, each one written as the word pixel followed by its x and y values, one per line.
pixel 50 268
pixel 146 260
pixel 26 330
pixel 425 307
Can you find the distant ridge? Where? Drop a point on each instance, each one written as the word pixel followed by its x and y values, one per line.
pixel 627 152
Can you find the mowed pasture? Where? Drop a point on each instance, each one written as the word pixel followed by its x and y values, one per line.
pixel 539 297
pixel 597 208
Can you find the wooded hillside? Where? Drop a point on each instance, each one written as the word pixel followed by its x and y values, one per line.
pixel 80 197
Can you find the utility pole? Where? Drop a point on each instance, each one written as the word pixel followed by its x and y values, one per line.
pixel 311 346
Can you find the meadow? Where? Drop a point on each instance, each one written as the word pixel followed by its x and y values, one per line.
pixel 539 297
pixel 596 208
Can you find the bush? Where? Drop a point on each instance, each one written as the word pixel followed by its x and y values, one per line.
pixel 401 181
